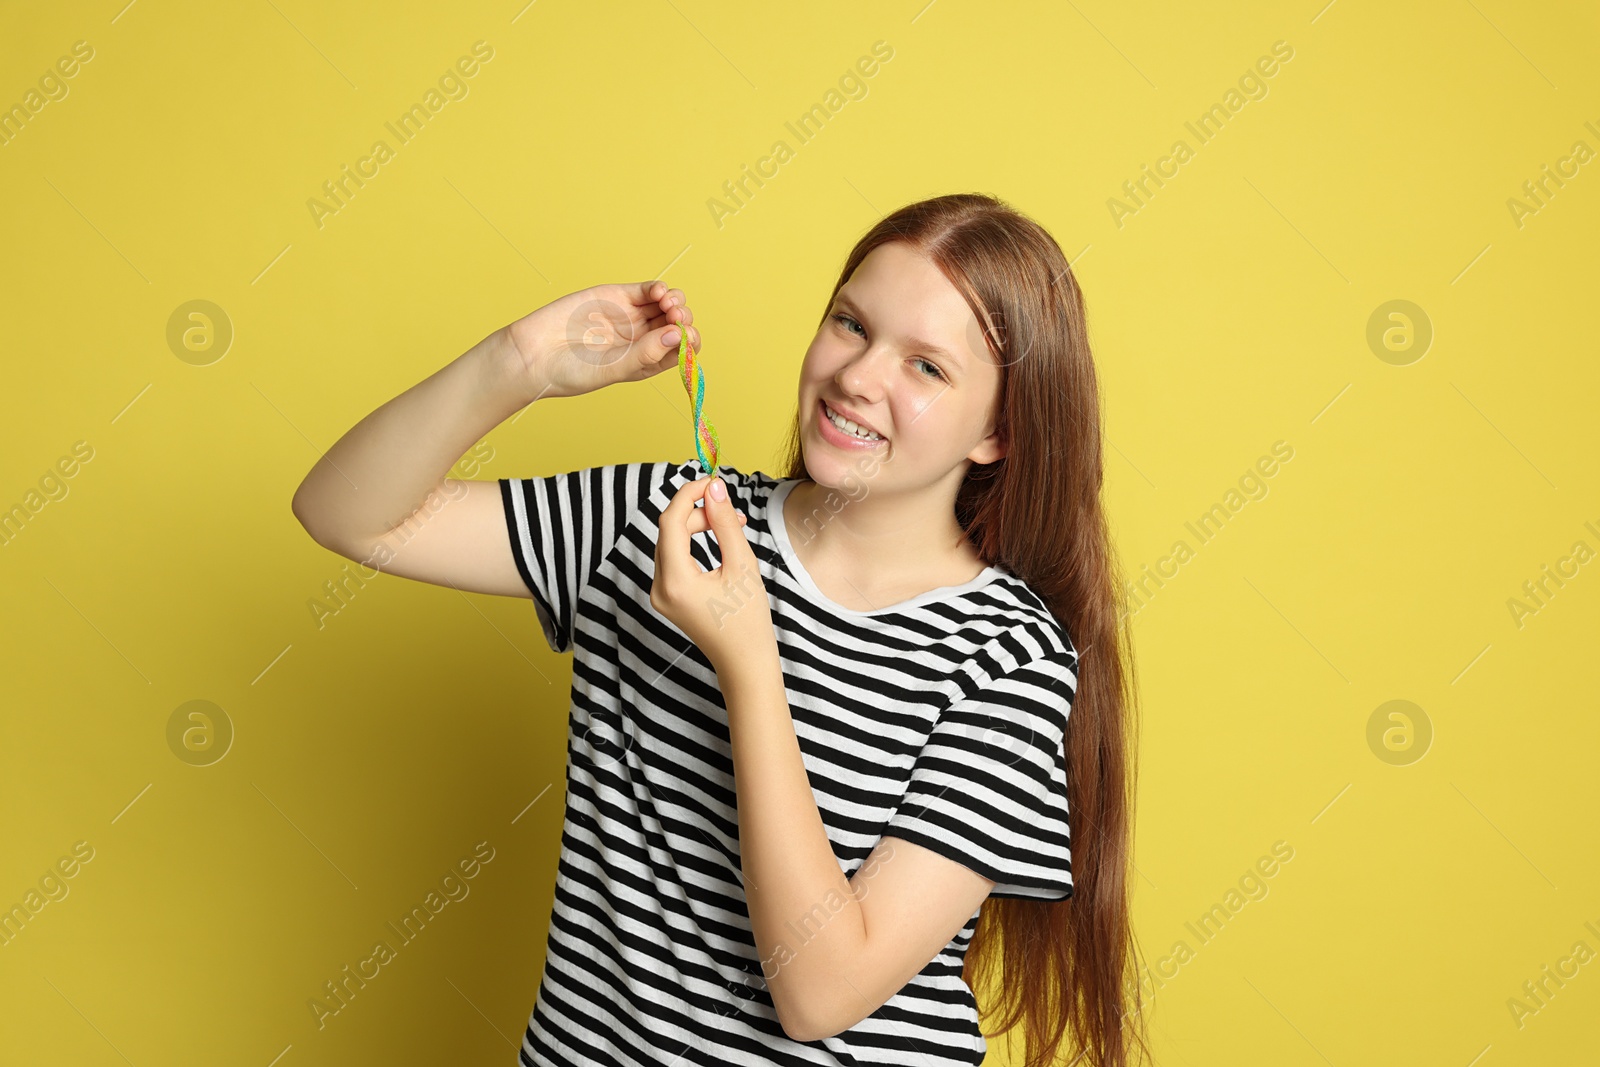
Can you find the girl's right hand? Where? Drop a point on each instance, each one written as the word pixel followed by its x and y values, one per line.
pixel 599 336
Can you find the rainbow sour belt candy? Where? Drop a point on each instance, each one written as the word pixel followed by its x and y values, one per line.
pixel 694 381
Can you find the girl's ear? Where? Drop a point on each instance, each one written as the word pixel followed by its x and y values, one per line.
pixel 989 450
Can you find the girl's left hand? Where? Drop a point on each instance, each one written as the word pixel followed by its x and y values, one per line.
pixel 724 611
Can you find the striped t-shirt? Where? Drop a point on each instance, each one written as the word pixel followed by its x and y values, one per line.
pixel 939 720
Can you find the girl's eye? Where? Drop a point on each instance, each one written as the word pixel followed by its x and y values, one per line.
pixel 842 319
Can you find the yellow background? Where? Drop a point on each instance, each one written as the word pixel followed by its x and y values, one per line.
pixel 1228 313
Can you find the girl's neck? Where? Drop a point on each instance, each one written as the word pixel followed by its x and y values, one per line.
pixel 873 554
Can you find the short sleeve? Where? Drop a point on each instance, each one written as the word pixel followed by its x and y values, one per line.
pixel 563 526
pixel 989 787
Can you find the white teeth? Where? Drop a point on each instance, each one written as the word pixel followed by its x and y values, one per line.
pixel 849 427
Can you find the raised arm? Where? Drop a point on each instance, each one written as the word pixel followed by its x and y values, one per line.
pixel 381 494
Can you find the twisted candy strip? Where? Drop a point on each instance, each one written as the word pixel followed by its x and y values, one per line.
pixel 694 381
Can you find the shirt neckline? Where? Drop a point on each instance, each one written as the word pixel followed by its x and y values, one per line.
pixel 780 533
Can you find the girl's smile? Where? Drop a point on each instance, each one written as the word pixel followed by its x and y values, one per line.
pixel 834 435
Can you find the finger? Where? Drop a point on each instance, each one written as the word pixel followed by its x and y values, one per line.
pixel 648 292
pixel 673 543
pixel 724 515
pixel 665 340
pixel 677 314
pixel 700 522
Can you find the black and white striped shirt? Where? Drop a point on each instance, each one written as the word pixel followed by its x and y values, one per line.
pixel 939 721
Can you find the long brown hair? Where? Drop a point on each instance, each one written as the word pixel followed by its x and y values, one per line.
pixel 1066 966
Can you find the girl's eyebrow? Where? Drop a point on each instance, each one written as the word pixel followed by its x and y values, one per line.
pixel 845 301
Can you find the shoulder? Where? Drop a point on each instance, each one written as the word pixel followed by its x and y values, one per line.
pixel 1036 692
pixel 1010 625
pixel 1014 652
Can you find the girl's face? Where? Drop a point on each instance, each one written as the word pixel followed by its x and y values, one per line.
pixel 901 354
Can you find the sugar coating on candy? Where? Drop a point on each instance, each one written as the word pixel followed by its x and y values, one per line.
pixel 694 382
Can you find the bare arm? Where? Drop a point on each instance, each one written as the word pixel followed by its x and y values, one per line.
pixel 381 494
pixel 388 473
pixel 830 955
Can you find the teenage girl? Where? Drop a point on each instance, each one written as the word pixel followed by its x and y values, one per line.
pixel 818 744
